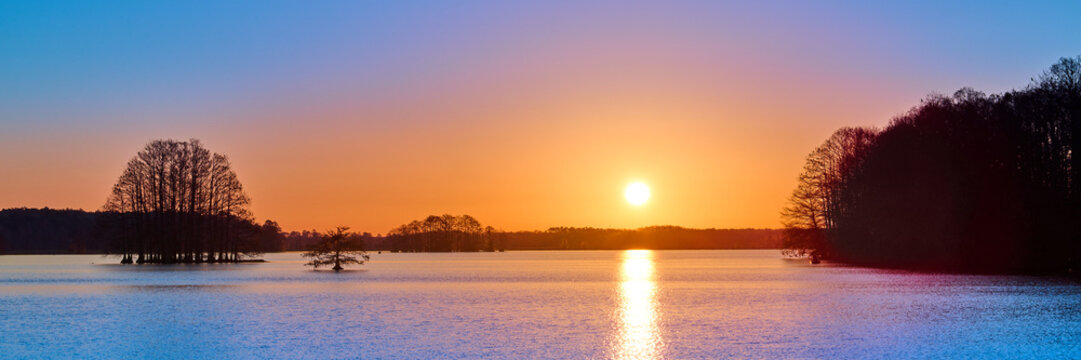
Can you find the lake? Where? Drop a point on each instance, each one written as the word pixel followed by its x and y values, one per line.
pixel 635 304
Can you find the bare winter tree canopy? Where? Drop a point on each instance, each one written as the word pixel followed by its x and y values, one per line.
pixel 441 233
pixel 972 182
pixel 178 202
pixel 816 203
pixel 338 247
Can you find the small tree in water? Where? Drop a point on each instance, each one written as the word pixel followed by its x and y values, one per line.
pixel 338 247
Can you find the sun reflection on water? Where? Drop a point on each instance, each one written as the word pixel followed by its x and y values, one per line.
pixel 638 335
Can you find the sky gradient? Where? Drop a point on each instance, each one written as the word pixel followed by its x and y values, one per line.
pixel 524 115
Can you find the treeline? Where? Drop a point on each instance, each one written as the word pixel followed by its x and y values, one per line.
pixel 50 231
pixel 654 237
pixel 441 233
pixel 73 231
pixel 449 233
pixel 969 182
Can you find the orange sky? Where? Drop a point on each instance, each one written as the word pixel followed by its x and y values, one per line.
pixel 551 155
pixel 535 118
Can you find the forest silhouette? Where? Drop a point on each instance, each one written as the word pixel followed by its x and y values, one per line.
pixel 176 202
pixel 67 231
pixel 968 182
pixel 76 231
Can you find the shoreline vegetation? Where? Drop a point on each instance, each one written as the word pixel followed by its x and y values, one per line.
pixel 176 202
pixel 67 231
pixel 970 183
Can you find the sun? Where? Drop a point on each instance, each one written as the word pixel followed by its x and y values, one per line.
pixel 637 193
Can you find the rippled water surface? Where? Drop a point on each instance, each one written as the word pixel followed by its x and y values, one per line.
pixel 633 304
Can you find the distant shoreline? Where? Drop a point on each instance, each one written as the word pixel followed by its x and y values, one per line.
pixel 53 232
pixel 391 252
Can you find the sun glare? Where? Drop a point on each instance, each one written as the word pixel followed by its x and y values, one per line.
pixel 637 193
pixel 639 337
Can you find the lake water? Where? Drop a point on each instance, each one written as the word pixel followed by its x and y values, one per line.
pixel 529 305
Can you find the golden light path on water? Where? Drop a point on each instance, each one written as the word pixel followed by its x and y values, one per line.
pixel 638 334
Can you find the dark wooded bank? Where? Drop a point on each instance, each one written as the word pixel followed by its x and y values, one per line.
pixel 51 231
pixel 969 182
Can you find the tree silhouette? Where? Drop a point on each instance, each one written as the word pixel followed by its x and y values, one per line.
pixel 817 203
pixel 338 247
pixel 968 182
pixel 176 202
pixel 440 233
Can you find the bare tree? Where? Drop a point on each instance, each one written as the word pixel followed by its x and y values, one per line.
pixel 816 204
pixel 440 233
pixel 181 203
pixel 338 247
